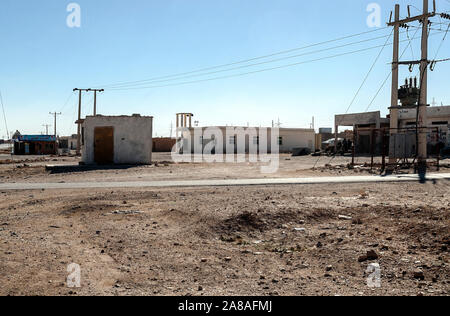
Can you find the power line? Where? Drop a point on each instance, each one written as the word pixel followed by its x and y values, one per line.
pixel 390 74
pixel 242 61
pixel 442 42
pixel 368 73
pixel 252 65
pixel 67 101
pixel 252 72
pixel 4 114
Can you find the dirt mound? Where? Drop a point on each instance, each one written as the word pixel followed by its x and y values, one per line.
pixel 264 221
pixel 87 208
pixel 246 221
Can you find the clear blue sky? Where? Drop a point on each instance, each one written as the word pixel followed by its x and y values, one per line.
pixel 42 60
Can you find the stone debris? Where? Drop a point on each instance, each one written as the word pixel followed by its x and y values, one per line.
pixel 419 275
pixel 369 256
pixel 128 212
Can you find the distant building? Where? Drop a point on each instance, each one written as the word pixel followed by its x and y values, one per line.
pixel 67 143
pixel 438 126
pixel 35 145
pixel 288 139
pixel 163 144
pixel 117 139
pixel 325 130
pixel 16 135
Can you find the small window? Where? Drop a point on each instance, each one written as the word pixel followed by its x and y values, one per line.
pixel 440 123
pixel 280 141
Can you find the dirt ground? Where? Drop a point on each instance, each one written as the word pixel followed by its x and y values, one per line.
pixel 267 240
pixel 32 169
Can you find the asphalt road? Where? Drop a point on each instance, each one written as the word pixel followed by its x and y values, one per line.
pixel 217 183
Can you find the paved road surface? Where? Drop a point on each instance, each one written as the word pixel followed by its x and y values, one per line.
pixel 215 183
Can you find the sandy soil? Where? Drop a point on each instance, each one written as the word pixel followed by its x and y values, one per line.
pixel 284 240
pixel 26 169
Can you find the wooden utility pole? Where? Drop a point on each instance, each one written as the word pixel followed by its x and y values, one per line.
pixel 95 98
pixel 422 102
pixel 55 114
pixel 79 119
pixel 46 128
pixel 394 93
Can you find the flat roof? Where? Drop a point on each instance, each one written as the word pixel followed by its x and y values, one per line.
pixel 36 138
pixel 256 127
pixel 118 116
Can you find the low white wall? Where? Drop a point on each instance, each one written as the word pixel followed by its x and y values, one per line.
pixel 291 137
pixel 132 138
pixel 297 138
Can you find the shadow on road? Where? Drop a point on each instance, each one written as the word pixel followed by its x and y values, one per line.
pixel 86 168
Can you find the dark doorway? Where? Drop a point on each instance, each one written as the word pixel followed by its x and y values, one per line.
pixel 104 145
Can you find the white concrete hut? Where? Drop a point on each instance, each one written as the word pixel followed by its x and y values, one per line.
pixel 117 139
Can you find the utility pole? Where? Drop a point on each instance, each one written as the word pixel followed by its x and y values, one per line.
pixel 78 122
pixel 394 92
pixel 55 114
pixel 95 98
pixel 46 128
pixel 422 102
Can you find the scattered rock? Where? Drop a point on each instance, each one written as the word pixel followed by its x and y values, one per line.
pixel 129 212
pixel 369 256
pixel 302 266
pixel 357 221
pixel 345 218
pixel 419 275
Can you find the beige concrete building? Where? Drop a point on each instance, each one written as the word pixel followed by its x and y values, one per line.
pixel 117 139
pixel 245 139
pixel 438 124
pixel 437 116
pixel 67 143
